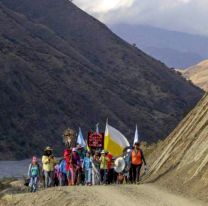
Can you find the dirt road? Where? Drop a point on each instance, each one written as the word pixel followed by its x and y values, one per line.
pixel 124 195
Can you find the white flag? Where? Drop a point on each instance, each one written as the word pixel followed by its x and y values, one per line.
pixel 97 128
pixel 136 135
pixel 115 142
pixel 80 139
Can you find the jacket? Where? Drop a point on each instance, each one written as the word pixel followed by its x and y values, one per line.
pixel 48 163
pixel 62 166
pixel 87 163
pixel 103 162
pixel 34 170
pixel 137 158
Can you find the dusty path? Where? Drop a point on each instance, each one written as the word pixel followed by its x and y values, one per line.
pixel 124 195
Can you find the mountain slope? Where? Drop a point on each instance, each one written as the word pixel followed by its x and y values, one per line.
pixel 172 57
pixel 62 68
pixel 183 163
pixel 198 74
pixel 175 49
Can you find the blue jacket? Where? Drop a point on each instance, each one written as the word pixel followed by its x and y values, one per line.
pixel 87 163
pixel 62 166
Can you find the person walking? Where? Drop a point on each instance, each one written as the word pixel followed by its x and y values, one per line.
pixel 62 173
pixel 34 174
pixel 127 158
pixel 96 168
pixel 69 166
pixel 137 159
pixel 77 166
pixel 110 168
pixel 87 167
pixel 81 151
pixel 49 162
pixel 103 167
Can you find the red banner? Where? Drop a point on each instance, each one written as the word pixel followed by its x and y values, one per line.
pixel 95 140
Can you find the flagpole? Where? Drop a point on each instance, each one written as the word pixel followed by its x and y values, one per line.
pixel 106 125
pixel 136 135
pixel 97 128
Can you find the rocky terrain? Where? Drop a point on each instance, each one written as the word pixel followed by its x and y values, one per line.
pixel 60 68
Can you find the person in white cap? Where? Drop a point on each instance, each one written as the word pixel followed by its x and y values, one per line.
pixel 103 167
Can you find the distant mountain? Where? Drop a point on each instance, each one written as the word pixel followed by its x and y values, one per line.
pixel 60 68
pixel 198 74
pixel 175 49
pixel 182 163
pixel 172 57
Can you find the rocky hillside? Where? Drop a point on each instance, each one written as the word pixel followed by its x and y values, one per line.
pixel 198 74
pixel 60 68
pixel 183 163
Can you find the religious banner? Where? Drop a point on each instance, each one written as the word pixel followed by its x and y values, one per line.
pixel 95 140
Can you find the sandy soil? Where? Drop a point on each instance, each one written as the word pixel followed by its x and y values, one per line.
pixel 123 195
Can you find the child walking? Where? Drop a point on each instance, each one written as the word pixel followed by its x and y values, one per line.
pixel 34 174
pixel 87 167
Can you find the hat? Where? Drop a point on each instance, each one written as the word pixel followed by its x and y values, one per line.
pixel 103 151
pixel 74 149
pixel 48 149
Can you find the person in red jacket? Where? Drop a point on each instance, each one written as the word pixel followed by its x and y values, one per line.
pixel 137 159
pixel 69 168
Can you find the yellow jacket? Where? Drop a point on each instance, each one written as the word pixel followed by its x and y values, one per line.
pixel 103 162
pixel 48 163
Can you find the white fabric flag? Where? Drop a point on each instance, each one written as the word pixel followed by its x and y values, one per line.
pixel 80 139
pixel 136 135
pixel 97 128
pixel 115 142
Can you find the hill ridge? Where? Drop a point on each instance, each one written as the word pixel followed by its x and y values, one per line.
pixel 49 83
pixel 198 74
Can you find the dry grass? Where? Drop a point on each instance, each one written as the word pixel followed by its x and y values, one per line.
pixel 198 74
pixel 183 162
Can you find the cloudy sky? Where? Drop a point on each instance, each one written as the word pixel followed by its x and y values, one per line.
pixel 181 15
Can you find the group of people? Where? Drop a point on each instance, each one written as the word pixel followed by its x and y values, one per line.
pixel 79 166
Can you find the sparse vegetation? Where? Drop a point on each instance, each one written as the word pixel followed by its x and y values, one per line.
pixel 67 69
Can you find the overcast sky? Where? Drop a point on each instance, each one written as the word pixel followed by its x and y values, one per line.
pixel 181 15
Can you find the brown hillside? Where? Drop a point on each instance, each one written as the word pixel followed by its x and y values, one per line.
pixel 183 163
pixel 60 67
pixel 198 74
